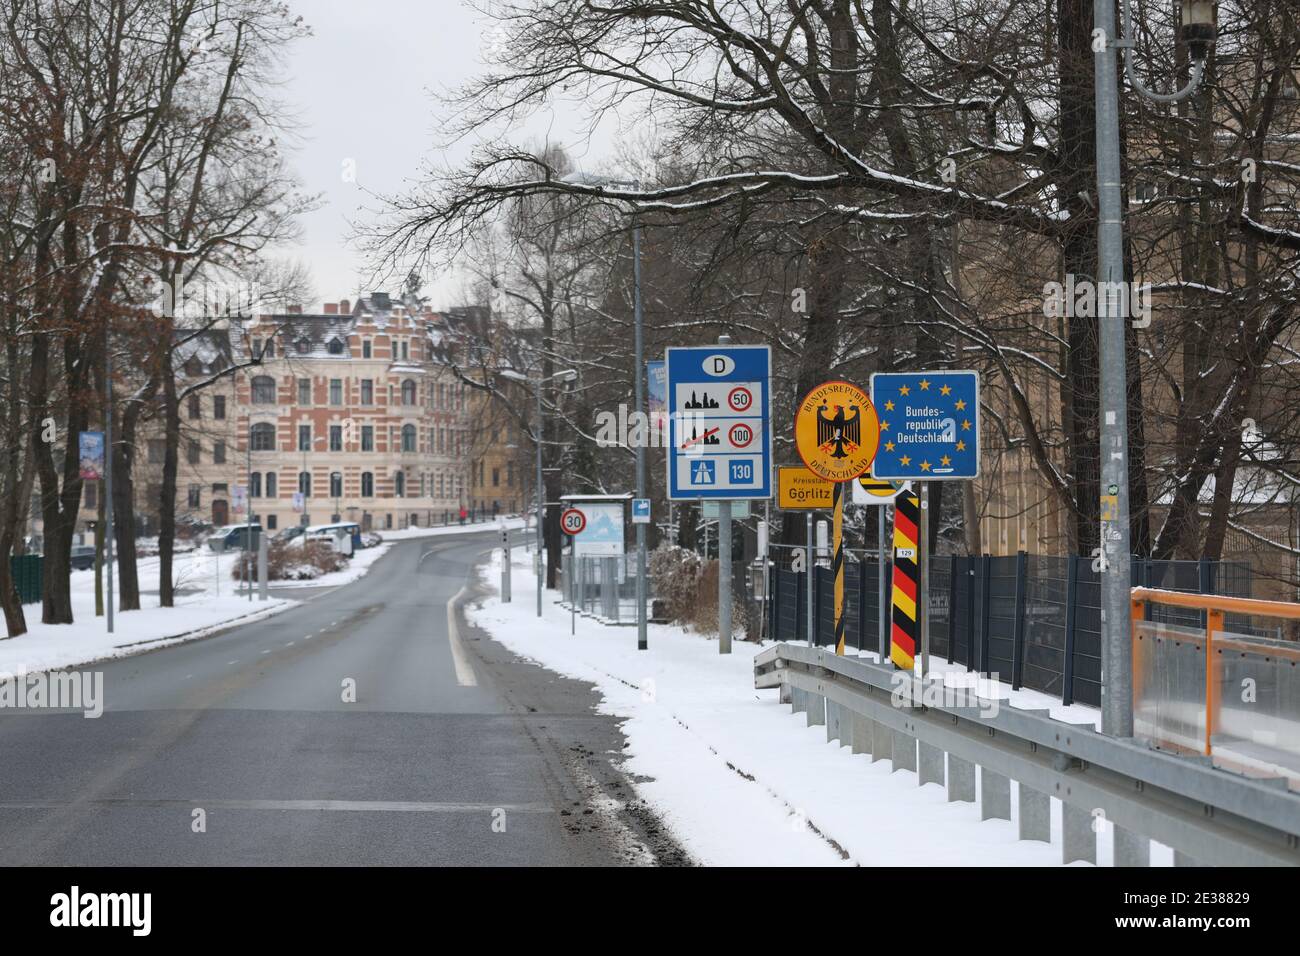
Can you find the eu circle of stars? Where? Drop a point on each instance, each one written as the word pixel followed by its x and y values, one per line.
pixel 929 424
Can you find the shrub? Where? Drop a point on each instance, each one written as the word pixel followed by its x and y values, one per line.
pixel 674 573
pixel 286 561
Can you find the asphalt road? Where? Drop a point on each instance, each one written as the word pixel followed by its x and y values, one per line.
pixel 453 752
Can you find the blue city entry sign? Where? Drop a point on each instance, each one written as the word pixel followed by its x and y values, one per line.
pixel 719 401
pixel 929 425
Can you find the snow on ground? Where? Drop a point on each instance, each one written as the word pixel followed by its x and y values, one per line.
pixel 739 778
pixel 200 610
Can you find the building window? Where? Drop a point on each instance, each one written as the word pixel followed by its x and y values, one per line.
pixel 304 438
pixel 270 484
pixel 303 346
pixel 335 346
pixel 408 438
pixel 304 483
pixel 365 348
pixel 157 450
pixel 408 392
pixel 367 391
pixel 219 453
pixel 336 391
pixel 496 477
pixel 255 485
pixel 405 350
pixel 399 484
pixel 195 496
pixel 510 474
pixel 336 485
pixel 367 437
pixel 336 438
pixel 304 391
pixel 270 523
pixel 263 437
pixel 92 494
pixel 263 390
pixel 195 407
pixel 442 440
pixel 268 351
pixel 193 453
pixel 218 406
pixel 257 347
pixel 220 488
pixel 367 484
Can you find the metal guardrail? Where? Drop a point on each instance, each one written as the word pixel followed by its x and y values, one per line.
pixel 1207 815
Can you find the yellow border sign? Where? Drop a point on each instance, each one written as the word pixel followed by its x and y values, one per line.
pixel 798 489
pixel 837 431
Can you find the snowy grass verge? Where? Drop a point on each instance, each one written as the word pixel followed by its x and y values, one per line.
pixel 738 778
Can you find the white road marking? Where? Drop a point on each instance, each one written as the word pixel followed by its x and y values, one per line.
pixel 235 661
pixel 267 651
pixel 362 806
pixel 464 672
pixel 290 644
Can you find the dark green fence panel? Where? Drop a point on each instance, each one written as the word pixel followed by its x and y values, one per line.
pixel 27 570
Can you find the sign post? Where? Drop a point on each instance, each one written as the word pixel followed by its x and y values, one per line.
pixel 719 402
pixel 872 492
pixel 836 432
pixel 930 432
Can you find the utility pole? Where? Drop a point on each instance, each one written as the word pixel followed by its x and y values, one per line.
pixel 108 478
pixel 541 507
pixel 642 642
pixel 1112 314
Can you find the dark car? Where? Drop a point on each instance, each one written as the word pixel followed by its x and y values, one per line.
pixel 83 557
pixel 235 537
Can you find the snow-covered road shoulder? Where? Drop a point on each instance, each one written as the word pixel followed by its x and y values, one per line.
pixel 738 778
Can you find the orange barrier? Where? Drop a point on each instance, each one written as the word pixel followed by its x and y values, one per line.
pixel 1214 606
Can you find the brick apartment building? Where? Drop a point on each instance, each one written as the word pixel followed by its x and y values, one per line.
pixel 358 411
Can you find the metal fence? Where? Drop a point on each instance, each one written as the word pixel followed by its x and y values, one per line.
pixel 1030 620
pixel 27 570
pixel 602 587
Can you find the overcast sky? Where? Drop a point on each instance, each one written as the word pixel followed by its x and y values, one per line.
pixel 362 87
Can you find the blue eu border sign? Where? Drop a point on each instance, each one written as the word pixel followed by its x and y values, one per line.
pixel 929 425
pixel 719 405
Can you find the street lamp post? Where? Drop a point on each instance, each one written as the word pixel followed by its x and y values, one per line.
pixel 1116 581
pixel 541 497
pixel 639 395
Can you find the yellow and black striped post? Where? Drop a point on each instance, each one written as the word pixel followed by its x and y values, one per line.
pixel 837 526
pixel 904 633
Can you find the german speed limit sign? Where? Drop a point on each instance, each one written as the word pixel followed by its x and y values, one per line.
pixel 573 521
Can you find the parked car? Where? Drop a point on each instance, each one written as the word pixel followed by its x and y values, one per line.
pixel 371 539
pixel 331 531
pixel 290 533
pixel 83 557
pixel 234 537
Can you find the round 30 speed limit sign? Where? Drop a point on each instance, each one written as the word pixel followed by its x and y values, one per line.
pixel 573 521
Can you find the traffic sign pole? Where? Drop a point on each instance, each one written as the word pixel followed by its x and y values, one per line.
pixel 882 588
pixel 837 565
pixel 724 577
pixel 923 578
pixel 808 590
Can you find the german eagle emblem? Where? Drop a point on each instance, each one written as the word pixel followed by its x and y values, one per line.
pixel 839 434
